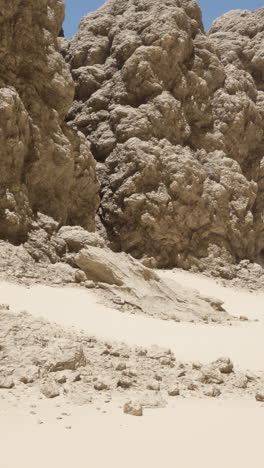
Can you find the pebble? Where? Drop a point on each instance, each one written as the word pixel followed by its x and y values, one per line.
pixel 153 386
pixel 174 391
pixel 133 408
pixel 124 383
pixel 99 386
pixel 213 392
pixel 50 389
pixel 158 377
pixel 121 366
pixel 259 396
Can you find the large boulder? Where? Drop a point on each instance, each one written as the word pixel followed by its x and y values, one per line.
pixel 44 165
pixel 76 238
pixel 176 128
pixel 134 287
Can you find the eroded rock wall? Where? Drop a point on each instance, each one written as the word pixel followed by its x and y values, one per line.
pixel 176 131
pixel 44 165
pixel 239 38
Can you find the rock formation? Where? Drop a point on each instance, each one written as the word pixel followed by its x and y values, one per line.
pixel 44 165
pixel 73 256
pixel 239 37
pixel 175 120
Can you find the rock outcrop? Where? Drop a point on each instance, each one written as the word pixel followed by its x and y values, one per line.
pixel 38 357
pixel 239 38
pixel 133 287
pixel 176 127
pixel 73 256
pixel 44 165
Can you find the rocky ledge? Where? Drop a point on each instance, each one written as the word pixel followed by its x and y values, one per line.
pixel 37 356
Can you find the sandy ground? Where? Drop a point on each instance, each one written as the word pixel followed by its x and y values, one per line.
pixel 237 301
pixel 242 342
pixel 188 434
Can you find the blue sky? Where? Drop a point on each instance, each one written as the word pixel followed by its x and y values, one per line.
pixel 75 9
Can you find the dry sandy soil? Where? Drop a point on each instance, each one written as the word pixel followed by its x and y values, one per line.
pixel 189 432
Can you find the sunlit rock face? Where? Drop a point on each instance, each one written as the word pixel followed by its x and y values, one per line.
pixel 44 165
pixel 239 38
pixel 176 127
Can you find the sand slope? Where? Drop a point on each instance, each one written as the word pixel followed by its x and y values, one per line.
pixel 189 433
pixel 242 342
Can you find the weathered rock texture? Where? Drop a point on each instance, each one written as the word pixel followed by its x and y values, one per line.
pixel 73 256
pixel 44 165
pixel 38 355
pixel 239 37
pixel 175 119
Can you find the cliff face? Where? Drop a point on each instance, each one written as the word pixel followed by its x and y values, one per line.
pixel 239 38
pixel 176 127
pixel 174 118
pixel 44 165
